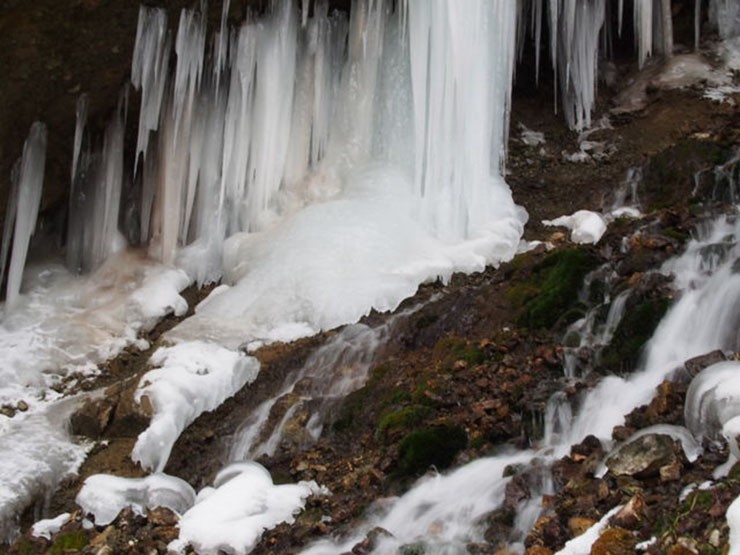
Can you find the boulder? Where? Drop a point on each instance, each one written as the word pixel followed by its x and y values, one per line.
pixel 643 457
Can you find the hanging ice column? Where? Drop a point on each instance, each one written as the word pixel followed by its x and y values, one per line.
pixel 23 208
pixel 462 60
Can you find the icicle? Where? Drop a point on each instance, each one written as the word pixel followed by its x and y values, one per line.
pixel 697 23
pixel 537 11
pixel 666 28
pixel 725 15
pixel 304 13
pixel 30 181
pixel 149 71
pixel 643 22
pixel 578 42
pixel 81 121
pixel 620 16
pixel 222 44
pixel 10 217
pixel 273 106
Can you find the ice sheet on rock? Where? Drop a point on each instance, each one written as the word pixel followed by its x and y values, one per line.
pixel 66 323
pixel 581 545
pixel 104 495
pixel 243 503
pixel 438 510
pixel 38 454
pixel 192 378
pixel 585 226
pixel 47 527
pixel 713 401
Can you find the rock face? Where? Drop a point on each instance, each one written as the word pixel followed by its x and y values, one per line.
pixel 643 457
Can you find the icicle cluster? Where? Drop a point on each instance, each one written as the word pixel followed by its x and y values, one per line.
pixel 278 113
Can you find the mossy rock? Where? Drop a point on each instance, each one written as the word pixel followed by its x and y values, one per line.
pixel 615 541
pixel 405 417
pixel 430 446
pixel 452 349
pixel 668 176
pixel 634 330
pixel 550 295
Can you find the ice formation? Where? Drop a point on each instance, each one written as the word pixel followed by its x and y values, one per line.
pixel 37 456
pixel 586 226
pixel 47 527
pixel 713 404
pixel 192 378
pixel 23 209
pixel 104 496
pixel 243 502
pixel 733 521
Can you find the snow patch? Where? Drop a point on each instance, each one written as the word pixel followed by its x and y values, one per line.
pixel 582 544
pixel 585 226
pixel 243 503
pixel 46 528
pixel 104 496
pixel 194 377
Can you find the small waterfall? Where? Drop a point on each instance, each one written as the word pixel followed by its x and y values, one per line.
pixel 705 317
pixel 333 371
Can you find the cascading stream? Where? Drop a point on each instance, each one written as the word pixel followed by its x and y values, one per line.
pixel 705 317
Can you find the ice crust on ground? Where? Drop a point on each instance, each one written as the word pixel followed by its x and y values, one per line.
pixel 104 496
pixel 192 378
pixel 37 455
pixel 67 324
pixel 586 227
pixel 231 516
pixel 63 325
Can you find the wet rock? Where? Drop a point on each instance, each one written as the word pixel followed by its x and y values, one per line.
pixel 538 550
pixel 615 541
pixel 577 525
pixel 643 457
pixel 697 364
pixel 162 516
pixel 366 546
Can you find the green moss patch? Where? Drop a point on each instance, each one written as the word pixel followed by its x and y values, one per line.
pixel 430 446
pixel 550 295
pixel 405 417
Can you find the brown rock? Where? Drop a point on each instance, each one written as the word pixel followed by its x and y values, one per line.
pixel 633 514
pixel 671 472
pixel 643 457
pixel 162 516
pixel 615 541
pixel 579 524
pixel 538 550
pixel 22 406
pixel 697 364
pixel 684 546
